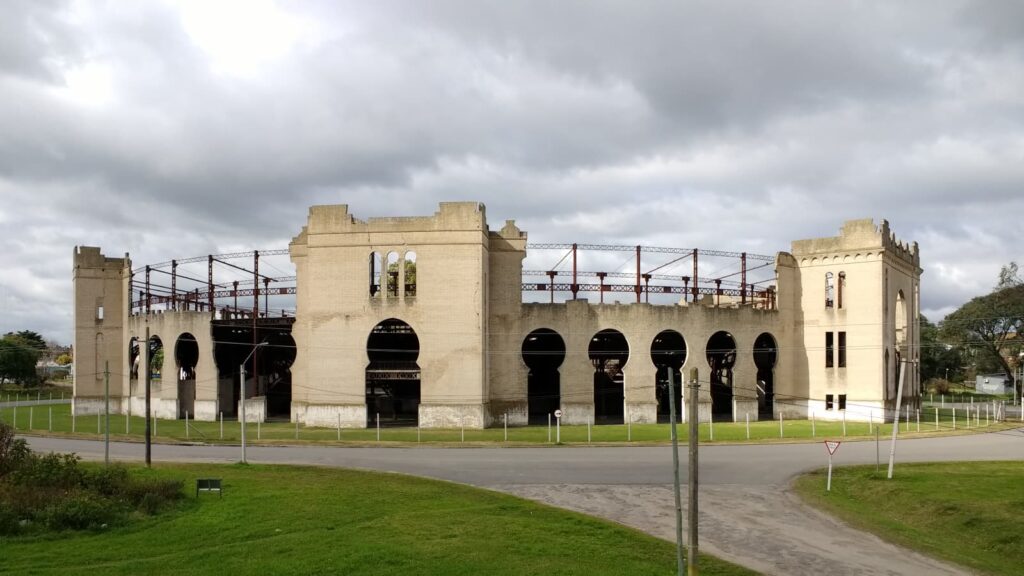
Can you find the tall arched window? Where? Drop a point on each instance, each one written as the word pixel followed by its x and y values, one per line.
pixel 842 287
pixel 830 287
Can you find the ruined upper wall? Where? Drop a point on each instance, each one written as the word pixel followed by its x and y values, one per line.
pixel 451 217
pixel 860 235
pixel 91 257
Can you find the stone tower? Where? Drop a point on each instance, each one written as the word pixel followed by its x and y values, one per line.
pixel 101 308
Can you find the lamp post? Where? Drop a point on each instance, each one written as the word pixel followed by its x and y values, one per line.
pixel 241 395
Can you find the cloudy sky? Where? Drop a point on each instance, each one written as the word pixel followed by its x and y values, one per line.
pixel 174 129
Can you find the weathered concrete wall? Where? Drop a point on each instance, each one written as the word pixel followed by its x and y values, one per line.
pixel 468 315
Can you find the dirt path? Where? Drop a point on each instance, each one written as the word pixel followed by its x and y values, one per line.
pixel 762 528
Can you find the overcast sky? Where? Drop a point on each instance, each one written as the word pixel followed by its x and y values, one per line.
pixel 175 129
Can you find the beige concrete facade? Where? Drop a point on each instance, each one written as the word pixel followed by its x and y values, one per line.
pixel 466 311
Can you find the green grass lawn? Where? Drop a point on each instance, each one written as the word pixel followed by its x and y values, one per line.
pixel 969 513
pixel 304 520
pixel 57 418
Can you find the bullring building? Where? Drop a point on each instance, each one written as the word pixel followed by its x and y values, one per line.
pixel 434 321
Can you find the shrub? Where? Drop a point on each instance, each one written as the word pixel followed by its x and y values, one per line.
pixel 82 511
pixel 13 451
pixel 10 523
pixel 938 385
pixel 48 470
pixel 108 481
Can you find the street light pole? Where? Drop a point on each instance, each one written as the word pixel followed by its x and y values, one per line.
pixel 241 395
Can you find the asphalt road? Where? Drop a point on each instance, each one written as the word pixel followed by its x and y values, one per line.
pixel 747 513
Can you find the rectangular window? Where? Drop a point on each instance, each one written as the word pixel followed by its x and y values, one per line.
pixel 842 349
pixel 829 346
pixel 828 401
pixel 842 401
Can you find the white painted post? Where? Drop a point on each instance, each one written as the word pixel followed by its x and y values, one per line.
pixel 936 419
pixel 871 421
pixel 780 423
pixel 74 418
pixel 30 419
pixel 828 485
pixel 942 400
pixel 378 426
pixel 986 414
pixel 954 418
pixel 844 423
pixel 506 426
pixel 49 419
pixel 259 430
pixel 154 426
pixel 588 429
pixel 186 424
pixel 127 423
pixel 222 425
pixel 748 425
pixel 918 415
pixel 339 426
pixel 549 427
pixel 462 425
pixel 814 431
pixel 558 430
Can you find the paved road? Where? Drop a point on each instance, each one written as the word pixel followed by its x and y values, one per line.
pixel 747 513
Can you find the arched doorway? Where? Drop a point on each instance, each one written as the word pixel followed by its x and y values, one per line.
pixel 156 361
pixel 134 355
pixel 543 352
pixel 186 356
pixel 276 363
pixel 766 354
pixel 609 352
pixel 393 376
pixel 668 352
pixel 721 353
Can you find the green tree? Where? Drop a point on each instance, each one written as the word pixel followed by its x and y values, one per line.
pixel 989 325
pixel 64 359
pixel 939 359
pixel 18 359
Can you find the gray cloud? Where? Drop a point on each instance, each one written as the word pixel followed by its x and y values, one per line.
pixel 171 130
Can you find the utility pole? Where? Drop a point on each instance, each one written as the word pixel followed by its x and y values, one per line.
pixel 149 439
pixel 896 417
pixel 675 469
pixel 106 410
pixel 693 477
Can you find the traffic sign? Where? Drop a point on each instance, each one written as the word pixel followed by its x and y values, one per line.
pixel 831 446
pixel 558 413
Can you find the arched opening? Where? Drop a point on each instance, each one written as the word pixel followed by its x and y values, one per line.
pixel 134 357
pixel 829 290
pixel 392 274
pixel 156 363
pixel 609 352
pixel 668 352
pixel 186 356
pixel 721 352
pixel 410 274
pixel 376 268
pixel 276 359
pixel 766 354
pixel 543 352
pixel 393 376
